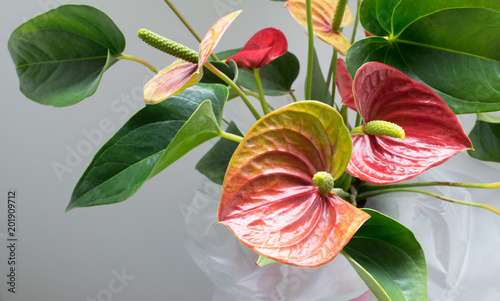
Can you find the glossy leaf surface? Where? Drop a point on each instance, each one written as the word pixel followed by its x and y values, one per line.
pixel 389 259
pixel 215 162
pixel 322 17
pixel 422 42
pixel 128 159
pixel 269 200
pixel 61 55
pixel 181 74
pixel 485 137
pixel 277 77
pixel 263 47
pixel 433 133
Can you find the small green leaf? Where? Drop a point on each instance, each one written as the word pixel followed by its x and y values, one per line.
pixel 262 261
pixel 215 162
pixel 128 159
pixel 485 137
pixel 61 55
pixel 389 259
pixel 420 39
pixel 319 83
pixel 277 77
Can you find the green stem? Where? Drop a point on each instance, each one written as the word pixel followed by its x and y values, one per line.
pixel 261 91
pixel 334 76
pixel 333 64
pixel 376 193
pixel 228 81
pixel 188 26
pixel 339 14
pixel 230 136
pixel 310 50
pixel 294 99
pixel 251 93
pixel 356 21
pixel 138 60
pixel 493 185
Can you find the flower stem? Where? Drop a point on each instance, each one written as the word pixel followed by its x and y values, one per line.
pixel 356 21
pixel 230 136
pixel 261 91
pixel 294 99
pixel 228 81
pixel 380 192
pixel 138 60
pixel 188 26
pixel 310 50
pixel 339 14
pixel 332 72
pixel 493 185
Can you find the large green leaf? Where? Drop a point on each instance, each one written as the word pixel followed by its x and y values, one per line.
pixel 485 137
pixel 60 55
pixel 450 45
pixel 389 259
pixel 154 133
pixel 277 77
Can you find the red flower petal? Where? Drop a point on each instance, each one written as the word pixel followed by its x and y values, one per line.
pixel 263 47
pixel 269 200
pixel 344 84
pixel 433 132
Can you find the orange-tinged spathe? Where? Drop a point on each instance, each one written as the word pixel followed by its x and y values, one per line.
pixel 322 17
pixel 181 74
pixel 269 199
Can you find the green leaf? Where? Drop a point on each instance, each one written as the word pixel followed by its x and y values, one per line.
pixel 262 261
pixel 277 77
pixel 450 45
pixel 215 162
pixel 389 259
pixel 485 137
pixel 319 83
pixel 210 78
pixel 61 55
pixel 154 134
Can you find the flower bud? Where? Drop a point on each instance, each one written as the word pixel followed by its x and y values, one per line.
pixel 324 181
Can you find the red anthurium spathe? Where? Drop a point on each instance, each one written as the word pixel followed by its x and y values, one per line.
pixel 344 84
pixel 269 199
pixel 322 17
pixel 263 47
pixel 181 74
pixel 432 131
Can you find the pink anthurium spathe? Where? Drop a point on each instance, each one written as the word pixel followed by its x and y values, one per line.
pixel 263 47
pixel 322 17
pixel 181 74
pixel 432 132
pixel 271 200
pixel 344 84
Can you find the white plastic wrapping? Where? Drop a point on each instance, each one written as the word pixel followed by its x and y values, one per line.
pixel 461 245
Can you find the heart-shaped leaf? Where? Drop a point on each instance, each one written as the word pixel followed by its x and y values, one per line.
pixel 156 134
pixel 269 199
pixel 422 42
pixel 485 137
pixel 61 55
pixel 433 132
pixel 389 259
pixel 215 162
pixel 277 77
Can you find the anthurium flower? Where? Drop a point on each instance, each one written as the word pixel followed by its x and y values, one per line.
pixel 344 84
pixel 277 195
pixel 432 133
pixel 182 74
pixel 263 47
pixel 322 17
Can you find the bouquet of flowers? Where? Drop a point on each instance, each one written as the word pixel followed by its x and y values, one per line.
pixel 297 185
